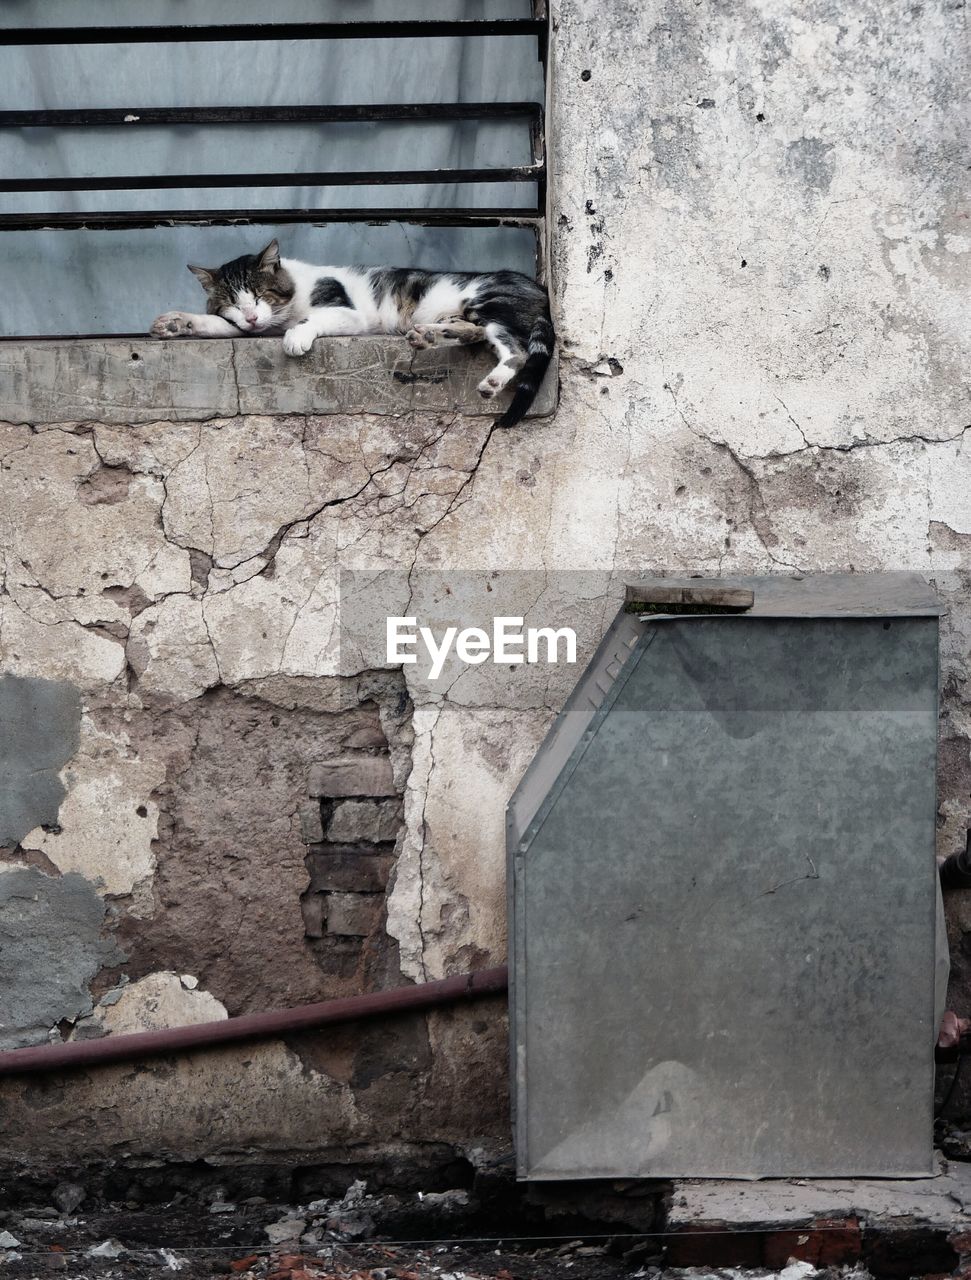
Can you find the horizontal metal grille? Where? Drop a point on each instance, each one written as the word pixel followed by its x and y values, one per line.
pixel 135 117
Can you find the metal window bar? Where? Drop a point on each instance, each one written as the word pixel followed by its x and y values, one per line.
pixel 347 178
pixel 142 116
pixel 112 220
pixel 390 30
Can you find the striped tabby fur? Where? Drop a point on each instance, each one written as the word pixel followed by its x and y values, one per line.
pixel 264 293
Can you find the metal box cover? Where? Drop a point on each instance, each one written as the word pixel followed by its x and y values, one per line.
pixel 725 936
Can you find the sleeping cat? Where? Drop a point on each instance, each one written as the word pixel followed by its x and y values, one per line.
pixel 264 293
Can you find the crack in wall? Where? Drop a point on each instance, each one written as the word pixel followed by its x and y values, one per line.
pixel 761 522
pixel 234 369
pixel 854 445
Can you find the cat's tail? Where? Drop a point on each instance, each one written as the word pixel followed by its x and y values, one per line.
pixel 540 353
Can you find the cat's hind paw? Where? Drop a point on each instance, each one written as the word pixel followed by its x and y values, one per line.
pixel 173 324
pixel 298 340
pixel 490 386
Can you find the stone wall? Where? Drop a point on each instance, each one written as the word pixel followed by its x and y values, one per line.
pixel 759 273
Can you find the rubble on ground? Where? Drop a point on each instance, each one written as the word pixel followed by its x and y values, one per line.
pixel 357 1236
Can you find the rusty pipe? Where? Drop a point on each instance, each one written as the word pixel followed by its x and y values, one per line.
pixel 253 1026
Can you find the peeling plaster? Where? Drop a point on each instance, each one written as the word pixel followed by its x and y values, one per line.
pixel 153 1003
pixel 108 821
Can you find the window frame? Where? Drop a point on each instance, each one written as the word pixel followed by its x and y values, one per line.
pixel 531 216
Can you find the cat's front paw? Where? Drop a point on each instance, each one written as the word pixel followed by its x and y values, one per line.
pixel 420 337
pixel 173 324
pixel 298 340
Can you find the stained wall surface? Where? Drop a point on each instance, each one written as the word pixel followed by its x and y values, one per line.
pixel 758 260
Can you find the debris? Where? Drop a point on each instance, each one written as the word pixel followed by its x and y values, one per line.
pixel 448 1200
pixel 355 1191
pixel 797 1271
pixel 172 1260
pixel 244 1264
pixel 286 1229
pixel 68 1195
pixel 351 1226
pixel 107 1249
pixel 7 1241
pixel 188 981
pixel 222 1206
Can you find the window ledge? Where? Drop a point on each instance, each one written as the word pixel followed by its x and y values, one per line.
pixel 116 380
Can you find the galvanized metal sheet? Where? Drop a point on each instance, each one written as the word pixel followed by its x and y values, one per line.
pixel 724 907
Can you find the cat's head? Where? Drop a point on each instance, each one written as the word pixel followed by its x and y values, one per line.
pixel 253 292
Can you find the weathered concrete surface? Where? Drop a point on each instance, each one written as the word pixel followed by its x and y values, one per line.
pixel 942 1201
pixel 40 722
pixel 117 381
pixel 371 375
pixel 190 380
pixel 51 946
pixel 323 1097
pixel 759 276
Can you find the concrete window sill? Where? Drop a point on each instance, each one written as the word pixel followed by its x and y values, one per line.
pixel 130 381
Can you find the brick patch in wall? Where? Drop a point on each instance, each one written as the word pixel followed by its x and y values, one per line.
pixel 377 821
pixel 352 776
pixel 350 825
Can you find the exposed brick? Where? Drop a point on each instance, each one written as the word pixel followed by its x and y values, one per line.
pixel 365 738
pixel 377 821
pixel 345 868
pixel 352 776
pixel 826 1242
pixel 312 906
pixel 353 914
pixel 714 1245
pixel 337 956
pixel 311 823
pixel 901 1252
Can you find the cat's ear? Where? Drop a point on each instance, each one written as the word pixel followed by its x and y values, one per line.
pixel 270 257
pixel 205 276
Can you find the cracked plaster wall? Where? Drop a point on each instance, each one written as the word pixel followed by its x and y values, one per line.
pixel 759 269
